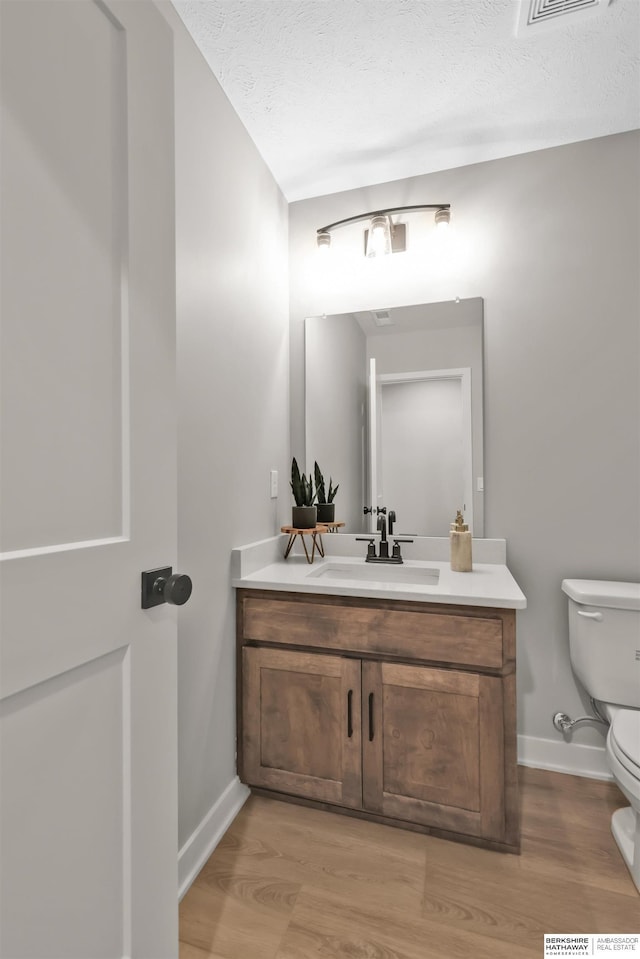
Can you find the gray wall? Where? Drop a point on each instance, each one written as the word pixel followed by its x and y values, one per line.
pixel 232 317
pixel 550 240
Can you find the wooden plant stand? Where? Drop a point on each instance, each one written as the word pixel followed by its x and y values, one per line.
pixel 316 538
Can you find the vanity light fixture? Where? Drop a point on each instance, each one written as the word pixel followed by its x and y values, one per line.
pixel 383 235
pixel 324 241
pixel 377 238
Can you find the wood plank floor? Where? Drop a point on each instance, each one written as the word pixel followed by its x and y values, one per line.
pixel 288 882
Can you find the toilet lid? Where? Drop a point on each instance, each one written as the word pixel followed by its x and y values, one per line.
pixel 625 736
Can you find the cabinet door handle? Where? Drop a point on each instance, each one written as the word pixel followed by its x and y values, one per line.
pixel 350 714
pixel 370 717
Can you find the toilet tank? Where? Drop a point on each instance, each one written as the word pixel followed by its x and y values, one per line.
pixel 604 638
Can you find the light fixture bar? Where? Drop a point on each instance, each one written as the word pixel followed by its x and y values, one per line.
pixel 388 212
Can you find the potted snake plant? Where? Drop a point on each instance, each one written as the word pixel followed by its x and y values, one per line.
pixel 304 514
pixel 326 507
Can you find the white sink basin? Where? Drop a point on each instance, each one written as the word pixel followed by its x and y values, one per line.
pixel 377 573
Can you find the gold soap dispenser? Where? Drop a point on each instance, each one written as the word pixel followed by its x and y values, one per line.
pixel 460 542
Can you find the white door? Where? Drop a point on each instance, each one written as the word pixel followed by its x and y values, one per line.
pixel 425 456
pixel 88 495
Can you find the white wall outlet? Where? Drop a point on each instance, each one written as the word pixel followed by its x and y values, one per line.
pixel 274 483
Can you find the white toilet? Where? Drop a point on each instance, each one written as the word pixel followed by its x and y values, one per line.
pixel 604 642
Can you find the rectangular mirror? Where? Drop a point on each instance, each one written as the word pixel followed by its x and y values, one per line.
pixel 394 413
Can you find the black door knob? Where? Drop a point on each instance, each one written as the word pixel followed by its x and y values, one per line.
pixel 176 589
pixel 164 586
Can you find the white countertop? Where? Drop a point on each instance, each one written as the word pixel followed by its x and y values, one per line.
pixel 488 584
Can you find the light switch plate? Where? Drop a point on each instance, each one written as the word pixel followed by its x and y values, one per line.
pixel 274 484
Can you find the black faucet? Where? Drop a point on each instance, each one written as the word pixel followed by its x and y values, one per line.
pixel 383 557
pixel 384 544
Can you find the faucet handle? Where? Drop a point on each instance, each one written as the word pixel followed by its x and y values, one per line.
pixel 371 548
pixel 396 554
pixel 367 509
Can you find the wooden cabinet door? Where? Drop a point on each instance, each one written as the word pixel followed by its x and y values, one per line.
pixel 301 724
pixel 433 747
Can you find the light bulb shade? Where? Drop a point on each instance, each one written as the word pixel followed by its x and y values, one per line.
pixel 324 242
pixel 379 236
pixel 443 218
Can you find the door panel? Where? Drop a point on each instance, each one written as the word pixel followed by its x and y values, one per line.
pixel 418 752
pixel 88 684
pixel 301 724
pixel 433 749
pixel 36 786
pixel 65 216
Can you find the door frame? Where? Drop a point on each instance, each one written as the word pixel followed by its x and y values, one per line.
pixel 463 375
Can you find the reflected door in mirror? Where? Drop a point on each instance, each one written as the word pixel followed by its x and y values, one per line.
pixel 422 471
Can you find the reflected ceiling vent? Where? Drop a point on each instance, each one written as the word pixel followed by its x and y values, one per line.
pixel 382 318
pixel 535 15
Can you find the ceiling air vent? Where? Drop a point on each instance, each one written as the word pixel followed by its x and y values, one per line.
pixel 382 318
pixel 535 15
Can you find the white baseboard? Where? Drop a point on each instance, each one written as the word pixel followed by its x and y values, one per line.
pixel 562 757
pixel 204 839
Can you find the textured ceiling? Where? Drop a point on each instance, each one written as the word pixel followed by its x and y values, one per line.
pixel 338 94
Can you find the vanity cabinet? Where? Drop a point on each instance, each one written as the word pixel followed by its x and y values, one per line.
pixel 402 712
